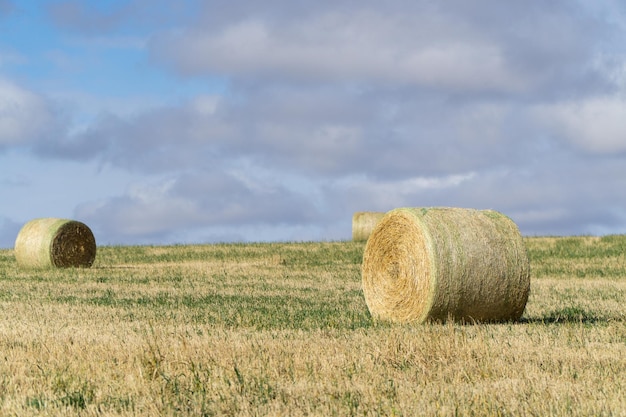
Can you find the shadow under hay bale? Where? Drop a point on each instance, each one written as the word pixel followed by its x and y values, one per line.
pixel 434 264
pixel 363 222
pixel 52 242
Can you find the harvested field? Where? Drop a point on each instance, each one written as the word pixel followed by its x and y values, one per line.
pixel 283 329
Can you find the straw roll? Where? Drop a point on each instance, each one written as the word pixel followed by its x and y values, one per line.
pixel 363 222
pixel 434 264
pixel 52 242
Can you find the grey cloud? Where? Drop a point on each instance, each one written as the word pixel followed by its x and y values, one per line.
pixel 559 192
pixel 351 121
pixel 241 198
pixel 162 140
pixel 315 132
pixel 189 202
pixel 515 49
pixel 322 50
pixel 385 135
pixel 563 194
pixel 82 147
pixel 320 135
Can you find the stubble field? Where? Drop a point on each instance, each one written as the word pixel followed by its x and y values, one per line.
pixel 283 329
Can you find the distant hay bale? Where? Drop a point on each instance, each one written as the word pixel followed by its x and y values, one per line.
pixel 51 242
pixel 363 222
pixel 434 264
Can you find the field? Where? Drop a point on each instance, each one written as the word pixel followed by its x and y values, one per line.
pixel 283 329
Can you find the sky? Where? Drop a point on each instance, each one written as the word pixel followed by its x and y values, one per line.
pixel 159 122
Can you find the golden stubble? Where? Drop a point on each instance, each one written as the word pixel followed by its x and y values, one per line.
pixel 427 369
pixel 63 353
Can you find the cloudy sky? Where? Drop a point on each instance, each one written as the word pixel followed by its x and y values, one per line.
pixel 158 122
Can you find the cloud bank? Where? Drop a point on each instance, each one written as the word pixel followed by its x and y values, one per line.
pixel 331 108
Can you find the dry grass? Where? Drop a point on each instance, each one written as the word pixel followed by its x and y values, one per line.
pixel 283 329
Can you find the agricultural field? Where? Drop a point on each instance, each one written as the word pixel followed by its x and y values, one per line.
pixel 283 329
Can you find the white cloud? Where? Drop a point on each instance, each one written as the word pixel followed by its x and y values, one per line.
pixel 361 193
pixel 24 115
pixel 596 125
pixel 205 105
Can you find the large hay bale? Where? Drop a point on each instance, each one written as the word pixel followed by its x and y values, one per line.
pixel 434 264
pixel 51 242
pixel 363 222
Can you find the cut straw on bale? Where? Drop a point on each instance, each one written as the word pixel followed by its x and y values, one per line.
pixel 363 222
pixel 434 264
pixel 52 242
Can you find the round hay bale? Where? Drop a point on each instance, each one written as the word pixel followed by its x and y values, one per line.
pixel 51 242
pixel 363 222
pixel 434 264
